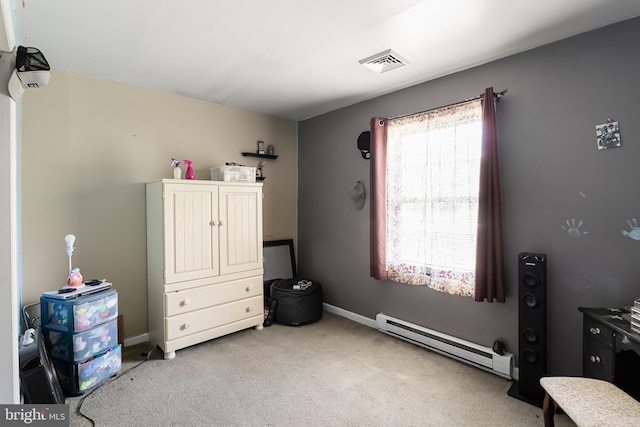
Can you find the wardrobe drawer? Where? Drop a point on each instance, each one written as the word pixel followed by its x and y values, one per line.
pixel 211 317
pixel 193 299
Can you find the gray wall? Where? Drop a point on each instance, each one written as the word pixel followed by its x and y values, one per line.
pixel 551 172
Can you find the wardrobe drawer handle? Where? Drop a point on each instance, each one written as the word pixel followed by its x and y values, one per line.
pixel 248 310
pixel 248 289
pixel 185 326
pixel 186 301
pixel 594 331
pixel 595 359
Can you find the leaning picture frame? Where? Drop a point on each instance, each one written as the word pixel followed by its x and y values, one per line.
pixel 279 260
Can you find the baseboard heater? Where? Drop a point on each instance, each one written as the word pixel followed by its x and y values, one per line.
pixel 464 351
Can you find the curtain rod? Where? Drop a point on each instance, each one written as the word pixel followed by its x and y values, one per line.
pixel 496 95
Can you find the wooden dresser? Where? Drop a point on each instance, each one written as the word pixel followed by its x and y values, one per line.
pixel 204 261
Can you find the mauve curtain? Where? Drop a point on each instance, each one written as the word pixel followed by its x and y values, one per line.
pixel 378 214
pixel 489 254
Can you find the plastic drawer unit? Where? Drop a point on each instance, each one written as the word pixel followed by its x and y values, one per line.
pixel 77 378
pixel 82 345
pixel 78 314
pixel 81 333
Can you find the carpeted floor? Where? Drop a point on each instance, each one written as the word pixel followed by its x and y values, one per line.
pixel 335 372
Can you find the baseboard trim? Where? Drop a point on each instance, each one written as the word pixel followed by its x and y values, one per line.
pixel 349 315
pixel 515 373
pixel 128 342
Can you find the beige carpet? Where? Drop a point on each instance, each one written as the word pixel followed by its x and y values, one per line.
pixel 331 373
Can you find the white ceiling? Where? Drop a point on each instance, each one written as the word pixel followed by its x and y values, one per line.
pixel 294 58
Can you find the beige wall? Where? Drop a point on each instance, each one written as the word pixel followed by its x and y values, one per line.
pixel 89 145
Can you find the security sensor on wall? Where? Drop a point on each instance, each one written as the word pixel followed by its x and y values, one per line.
pixel 32 71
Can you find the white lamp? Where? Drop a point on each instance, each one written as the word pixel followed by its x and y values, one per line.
pixel 70 239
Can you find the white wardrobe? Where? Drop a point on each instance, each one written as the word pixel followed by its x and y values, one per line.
pixel 204 261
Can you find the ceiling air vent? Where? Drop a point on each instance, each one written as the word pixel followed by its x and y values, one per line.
pixel 384 61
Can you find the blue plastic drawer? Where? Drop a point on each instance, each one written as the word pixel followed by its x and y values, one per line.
pixel 77 378
pixel 82 345
pixel 79 314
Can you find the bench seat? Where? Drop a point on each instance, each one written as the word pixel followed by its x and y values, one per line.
pixel 589 402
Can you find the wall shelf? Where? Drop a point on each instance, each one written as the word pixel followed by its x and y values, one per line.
pixel 263 156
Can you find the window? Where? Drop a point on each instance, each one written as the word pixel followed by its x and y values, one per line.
pixel 432 187
pixel 435 203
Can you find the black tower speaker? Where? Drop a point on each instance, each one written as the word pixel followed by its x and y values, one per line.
pixel 532 328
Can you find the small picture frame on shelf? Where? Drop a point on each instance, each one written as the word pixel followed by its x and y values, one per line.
pixel 260 147
pixel 271 150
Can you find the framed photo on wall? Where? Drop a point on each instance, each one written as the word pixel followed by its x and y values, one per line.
pixel 608 135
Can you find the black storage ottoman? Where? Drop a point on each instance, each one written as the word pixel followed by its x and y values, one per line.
pixel 297 306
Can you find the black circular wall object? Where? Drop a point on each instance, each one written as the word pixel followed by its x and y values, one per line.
pixel 364 144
